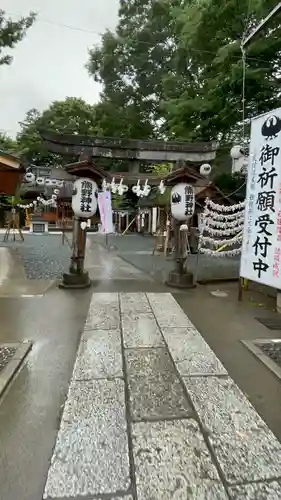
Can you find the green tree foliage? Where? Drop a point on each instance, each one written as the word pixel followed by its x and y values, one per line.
pixel 230 185
pixel 132 63
pixel 161 170
pixel 72 116
pixel 208 104
pixel 172 69
pixel 175 68
pixel 12 32
pixel 8 145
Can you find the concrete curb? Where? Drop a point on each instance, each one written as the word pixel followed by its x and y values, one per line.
pixel 14 364
pixel 5 263
pixel 253 346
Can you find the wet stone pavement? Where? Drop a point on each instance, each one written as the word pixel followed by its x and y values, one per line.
pixel 152 414
pixel 137 250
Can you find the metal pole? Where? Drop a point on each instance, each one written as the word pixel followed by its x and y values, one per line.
pixel 261 25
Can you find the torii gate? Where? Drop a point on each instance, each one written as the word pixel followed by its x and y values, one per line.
pixel 88 149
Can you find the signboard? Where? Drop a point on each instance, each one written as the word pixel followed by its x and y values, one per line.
pixel 261 249
pixel 105 208
pixel 182 201
pixel 84 202
pixel 38 227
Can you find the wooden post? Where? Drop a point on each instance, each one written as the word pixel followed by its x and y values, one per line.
pixel 119 222
pixel 124 232
pixel 57 214
pixel 240 290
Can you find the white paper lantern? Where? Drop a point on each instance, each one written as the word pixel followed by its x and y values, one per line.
pixel 29 177
pixel 48 182
pixel 84 202
pixel 182 201
pixel 40 181
pixel 59 183
pixel 56 191
pixel 236 152
pixel 205 169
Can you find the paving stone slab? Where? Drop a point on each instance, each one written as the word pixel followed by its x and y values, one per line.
pixel 91 452
pixel 155 390
pixel 253 455
pixel 191 353
pixel 104 313
pixel 141 330
pixel 172 462
pixel 134 303
pixel 222 406
pixel 107 497
pixel 144 363
pixel 99 355
pixel 257 491
pixel 159 398
pixel 167 311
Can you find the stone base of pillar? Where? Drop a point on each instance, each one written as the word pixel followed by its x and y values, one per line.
pixel 75 281
pixel 181 280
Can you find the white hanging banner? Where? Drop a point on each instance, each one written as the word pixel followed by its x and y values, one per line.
pixel 261 249
pixel 105 208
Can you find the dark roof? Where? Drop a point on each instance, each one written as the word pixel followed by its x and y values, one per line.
pixel 87 168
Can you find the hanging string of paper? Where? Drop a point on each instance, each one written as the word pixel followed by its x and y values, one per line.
pixel 222 229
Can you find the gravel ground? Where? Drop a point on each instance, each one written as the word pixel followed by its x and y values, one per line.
pixel 43 256
pixel 6 353
pixel 272 350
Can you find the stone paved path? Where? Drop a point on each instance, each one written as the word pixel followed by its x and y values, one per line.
pixel 151 413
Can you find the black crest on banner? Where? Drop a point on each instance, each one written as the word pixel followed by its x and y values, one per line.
pixel 271 127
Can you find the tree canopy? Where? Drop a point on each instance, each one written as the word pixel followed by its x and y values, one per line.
pixel 172 69
pixel 12 32
pixel 72 116
pixel 7 144
pixel 178 66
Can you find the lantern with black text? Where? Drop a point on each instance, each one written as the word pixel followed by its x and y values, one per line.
pixel 84 201
pixel 182 201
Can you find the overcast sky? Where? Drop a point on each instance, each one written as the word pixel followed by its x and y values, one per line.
pixel 49 63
